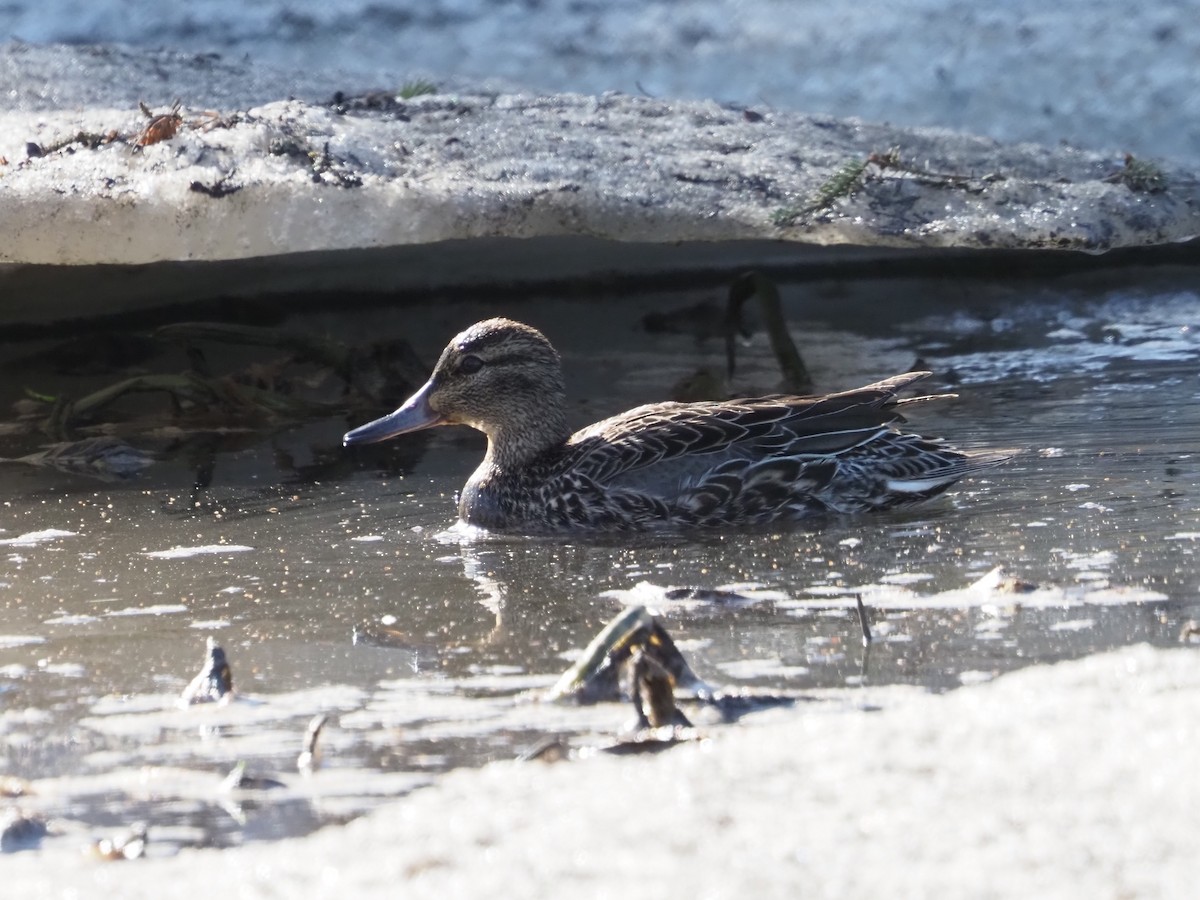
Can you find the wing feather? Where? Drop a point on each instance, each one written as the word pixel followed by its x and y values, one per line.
pixel 777 425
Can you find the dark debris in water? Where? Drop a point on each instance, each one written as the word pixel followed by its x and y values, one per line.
pixel 214 682
pixel 114 433
pixel 712 596
pixel 652 687
pixel 96 353
pixel 106 458
pixel 634 658
pixel 549 750
pixel 597 675
pixel 21 831
pixel 240 778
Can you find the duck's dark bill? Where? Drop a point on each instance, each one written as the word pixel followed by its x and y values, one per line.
pixel 415 414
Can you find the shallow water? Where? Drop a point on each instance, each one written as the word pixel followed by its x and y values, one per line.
pixel 332 582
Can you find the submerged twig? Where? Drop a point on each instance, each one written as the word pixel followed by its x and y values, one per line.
pixel 796 379
pixel 863 623
pixel 309 759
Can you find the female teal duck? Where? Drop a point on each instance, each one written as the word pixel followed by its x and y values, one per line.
pixel 737 462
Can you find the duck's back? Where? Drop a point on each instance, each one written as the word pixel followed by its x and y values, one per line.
pixel 747 462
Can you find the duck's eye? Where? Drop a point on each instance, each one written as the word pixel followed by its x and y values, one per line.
pixel 470 365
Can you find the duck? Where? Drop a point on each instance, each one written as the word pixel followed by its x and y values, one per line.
pixel 768 460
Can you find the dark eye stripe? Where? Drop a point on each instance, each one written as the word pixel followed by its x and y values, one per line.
pixel 507 358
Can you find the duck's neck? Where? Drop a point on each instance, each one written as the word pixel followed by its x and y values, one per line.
pixel 516 444
pixel 493 495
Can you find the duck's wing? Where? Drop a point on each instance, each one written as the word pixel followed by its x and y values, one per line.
pixel 683 436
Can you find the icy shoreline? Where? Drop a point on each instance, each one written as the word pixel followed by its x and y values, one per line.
pixel 1056 781
pixel 1096 76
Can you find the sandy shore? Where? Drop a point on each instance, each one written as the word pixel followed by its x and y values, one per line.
pixel 1075 780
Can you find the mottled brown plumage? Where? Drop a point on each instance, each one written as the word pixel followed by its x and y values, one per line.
pixel 737 462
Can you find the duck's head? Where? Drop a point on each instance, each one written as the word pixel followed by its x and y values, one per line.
pixel 500 377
